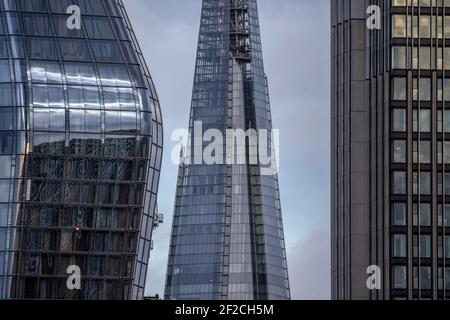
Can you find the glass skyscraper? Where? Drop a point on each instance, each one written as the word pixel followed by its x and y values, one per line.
pixel 391 149
pixel 80 152
pixel 227 238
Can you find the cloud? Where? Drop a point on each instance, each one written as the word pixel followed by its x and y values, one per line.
pixel 309 266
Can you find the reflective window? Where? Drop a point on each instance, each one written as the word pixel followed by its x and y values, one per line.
pixel 399 182
pixel 399 57
pixel 107 51
pixel 6 142
pixel 422 280
pixel 399 245
pixel 45 71
pixel 422 152
pixel 5 95
pixel 399 120
pixel 74 49
pixel 80 73
pixel 6 119
pixel 399 151
pixel 41 48
pixel 422 120
pixel 399 275
pixel 98 28
pixel 114 75
pixel 443 123
pixel 425 26
pixel 422 183
pixel 423 214
pixel 4 71
pixel 399 26
pixel 399 214
pixel 399 88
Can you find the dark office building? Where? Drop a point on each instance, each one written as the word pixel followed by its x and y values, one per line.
pixel 391 149
pixel 227 238
pixel 80 152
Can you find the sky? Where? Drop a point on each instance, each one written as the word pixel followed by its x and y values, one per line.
pixel 296 46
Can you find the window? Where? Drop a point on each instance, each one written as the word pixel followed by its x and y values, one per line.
pixel 3 46
pixel 84 97
pixel 399 214
pixel 422 280
pixel 399 245
pixel 107 51
pixel 3 215
pixel 48 96
pixel 77 121
pixel 447 58
pixel 422 152
pixel 443 123
pixel 98 28
pixel 41 117
pixel 425 26
pixel 5 95
pixel 6 119
pixel 424 213
pixel 443 215
pixel 93 122
pixel 422 89
pixel 80 73
pixel 447 247
pixel 425 57
pixel 399 182
pixel 423 186
pixel 4 71
pixel 42 48
pixel 46 72
pixel 37 24
pixel 422 120
pixel 447 26
pixel 399 273
pixel 399 26
pixel 400 89
pixel 443 153
pixel 5 167
pixel 399 120
pixel 114 75
pixel 441 281
pixel 425 246
pixel 399 151
pixel 74 49
pixel 399 57
pixel 6 142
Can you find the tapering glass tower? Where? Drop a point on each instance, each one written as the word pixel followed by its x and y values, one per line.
pixel 227 238
pixel 80 151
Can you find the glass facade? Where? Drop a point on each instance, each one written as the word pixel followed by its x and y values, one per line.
pixel 80 152
pixel 227 238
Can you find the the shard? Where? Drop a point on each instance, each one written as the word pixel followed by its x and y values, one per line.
pixel 227 239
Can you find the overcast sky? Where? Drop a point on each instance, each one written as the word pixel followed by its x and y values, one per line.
pixel 295 35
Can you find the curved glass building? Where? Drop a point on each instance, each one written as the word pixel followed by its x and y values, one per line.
pixel 80 151
pixel 227 238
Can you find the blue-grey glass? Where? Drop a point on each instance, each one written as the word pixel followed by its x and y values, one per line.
pixel 79 126
pixel 227 239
